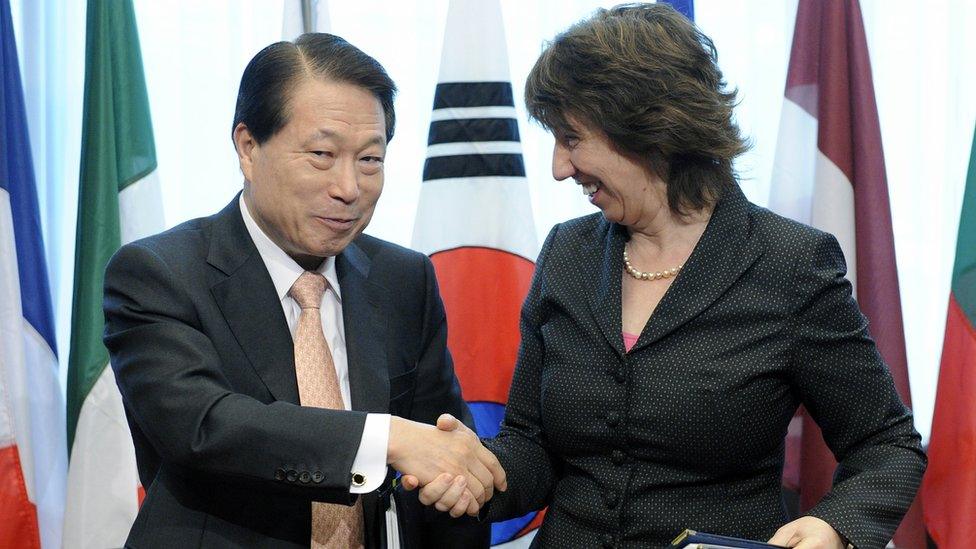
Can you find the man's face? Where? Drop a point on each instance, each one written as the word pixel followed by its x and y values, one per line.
pixel 313 186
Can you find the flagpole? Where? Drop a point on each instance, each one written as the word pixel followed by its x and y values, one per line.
pixel 308 25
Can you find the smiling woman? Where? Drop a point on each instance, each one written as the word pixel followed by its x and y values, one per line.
pixel 644 404
pixel 669 109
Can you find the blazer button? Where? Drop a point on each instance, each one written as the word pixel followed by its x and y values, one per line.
pixel 318 477
pixel 611 500
pixel 291 475
pixel 305 477
pixel 618 457
pixel 279 474
pixel 608 540
pixel 613 419
pixel 618 375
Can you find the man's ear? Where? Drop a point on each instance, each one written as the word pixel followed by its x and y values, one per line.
pixel 245 144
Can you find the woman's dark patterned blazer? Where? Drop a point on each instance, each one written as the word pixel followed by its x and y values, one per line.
pixel 687 430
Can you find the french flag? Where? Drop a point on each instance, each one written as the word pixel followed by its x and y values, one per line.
pixel 33 453
pixel 474 218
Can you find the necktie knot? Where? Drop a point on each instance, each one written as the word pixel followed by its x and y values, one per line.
pixel 308 289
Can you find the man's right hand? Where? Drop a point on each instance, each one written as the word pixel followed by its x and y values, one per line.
pixel 425 452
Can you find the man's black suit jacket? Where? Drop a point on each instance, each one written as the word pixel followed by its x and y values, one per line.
pixel 687 429
pixel 204 360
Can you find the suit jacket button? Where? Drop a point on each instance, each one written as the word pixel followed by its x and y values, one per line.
pixel 318 477
pixel 618 457
pixel 617 374
pixel 608 540
pixel 279 474
pixel 611 499
pixel 291 475
pixel 613 419
pixel 305 477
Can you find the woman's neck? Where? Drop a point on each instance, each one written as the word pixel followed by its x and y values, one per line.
pixel 668 233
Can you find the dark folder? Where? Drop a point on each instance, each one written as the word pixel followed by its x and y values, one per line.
pixel 691 539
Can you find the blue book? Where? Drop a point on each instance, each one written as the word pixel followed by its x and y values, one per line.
pixel 691 539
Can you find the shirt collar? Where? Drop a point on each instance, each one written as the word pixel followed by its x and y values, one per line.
pixel 283 269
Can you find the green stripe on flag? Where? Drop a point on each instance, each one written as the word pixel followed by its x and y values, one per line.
pixel 964 271
pixel 117 149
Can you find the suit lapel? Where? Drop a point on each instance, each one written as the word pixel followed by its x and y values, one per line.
pixel 604 257
pixel 249 302
pixel 365 332
pixel 726 249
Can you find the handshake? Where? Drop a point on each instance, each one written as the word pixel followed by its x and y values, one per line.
pixel 455 472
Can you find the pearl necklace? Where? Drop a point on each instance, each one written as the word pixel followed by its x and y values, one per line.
pixel 640 275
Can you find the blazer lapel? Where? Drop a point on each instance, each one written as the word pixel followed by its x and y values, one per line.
pixel 250 305
pixel 604 257
pixel 726 249
pixel 365 332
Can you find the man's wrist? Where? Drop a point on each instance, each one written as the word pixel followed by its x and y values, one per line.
pixel 397 425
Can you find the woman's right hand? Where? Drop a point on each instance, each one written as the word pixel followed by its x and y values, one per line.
pixel 447 492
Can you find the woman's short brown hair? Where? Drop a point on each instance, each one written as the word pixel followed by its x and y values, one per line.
pixel 648 78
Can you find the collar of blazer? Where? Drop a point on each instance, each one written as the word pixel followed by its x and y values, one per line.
pixel 726 249
pixel 247 298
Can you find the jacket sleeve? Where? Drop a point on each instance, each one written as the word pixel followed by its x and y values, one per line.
pixel 171 380
pixel 521 444
pixel 848 390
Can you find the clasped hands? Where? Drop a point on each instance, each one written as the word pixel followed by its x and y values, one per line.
pixel 457 474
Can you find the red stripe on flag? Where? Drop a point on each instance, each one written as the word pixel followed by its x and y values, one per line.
pixel 534 524
pixel 849 134
pixel 949 486
pixel 483 290
pixel 18 516
pixel 817 464
pixel 830 77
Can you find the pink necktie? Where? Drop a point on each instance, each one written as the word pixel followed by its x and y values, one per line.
pixel 333 526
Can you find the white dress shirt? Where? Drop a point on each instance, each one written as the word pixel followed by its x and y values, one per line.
pixel 371 458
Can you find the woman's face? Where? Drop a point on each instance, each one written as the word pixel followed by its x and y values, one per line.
pixel 623 187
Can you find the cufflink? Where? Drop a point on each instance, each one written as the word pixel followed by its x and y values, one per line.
pixel 358 480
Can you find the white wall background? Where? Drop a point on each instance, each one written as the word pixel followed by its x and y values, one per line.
pixel 194 52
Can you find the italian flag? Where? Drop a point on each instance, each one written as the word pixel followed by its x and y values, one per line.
pixel 949 487
pixel 118 201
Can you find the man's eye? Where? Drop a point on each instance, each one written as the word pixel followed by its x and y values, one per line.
pixel 322 154
pixel 373 159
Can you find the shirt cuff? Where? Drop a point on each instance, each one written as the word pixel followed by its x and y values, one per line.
pixel 369 467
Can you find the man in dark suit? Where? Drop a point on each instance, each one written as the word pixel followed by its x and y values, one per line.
pixel 276 365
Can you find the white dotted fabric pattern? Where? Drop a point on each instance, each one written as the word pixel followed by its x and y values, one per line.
pixel 687 430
